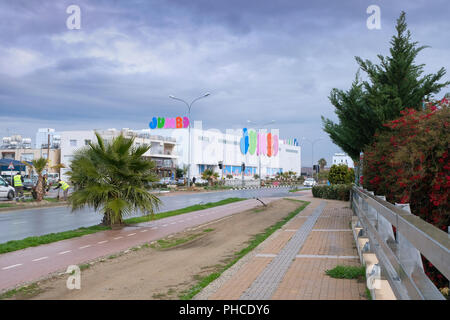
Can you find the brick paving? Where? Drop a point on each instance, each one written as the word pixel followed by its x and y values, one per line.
pixel 267 282
pixel 292 265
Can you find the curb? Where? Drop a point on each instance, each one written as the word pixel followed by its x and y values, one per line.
pixel 3 210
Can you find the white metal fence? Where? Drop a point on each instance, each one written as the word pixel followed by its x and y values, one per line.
pixel 399 255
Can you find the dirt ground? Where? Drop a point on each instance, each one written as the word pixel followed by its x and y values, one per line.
pixel 155 273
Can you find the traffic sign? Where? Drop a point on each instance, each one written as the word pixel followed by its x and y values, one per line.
pixel 11 166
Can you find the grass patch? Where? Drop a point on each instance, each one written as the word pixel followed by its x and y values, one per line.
pixel 254 242
pixel 24 292
pixel 218 187
pixel 181 211
pixel 296 189
pixel 84 266
pixel 346 272
pixel 14 245
pixel 6 205
pixel 368 295
pixel 173 242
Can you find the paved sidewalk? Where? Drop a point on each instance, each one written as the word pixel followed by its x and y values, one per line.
pixel 291 263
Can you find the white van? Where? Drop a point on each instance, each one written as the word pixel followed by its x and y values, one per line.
pixel 6 191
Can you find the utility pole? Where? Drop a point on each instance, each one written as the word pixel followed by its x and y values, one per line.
pixel 48 151
pixel 259 155
pixel 189 105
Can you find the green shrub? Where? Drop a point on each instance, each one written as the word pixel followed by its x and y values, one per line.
pixel 334 192
pixel 341 174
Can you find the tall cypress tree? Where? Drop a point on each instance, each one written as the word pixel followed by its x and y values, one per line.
pixel 394 84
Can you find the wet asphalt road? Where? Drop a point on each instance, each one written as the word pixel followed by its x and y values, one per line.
pixel 19 224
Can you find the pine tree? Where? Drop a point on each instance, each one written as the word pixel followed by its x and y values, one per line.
pixel 357 120
pixel 394 84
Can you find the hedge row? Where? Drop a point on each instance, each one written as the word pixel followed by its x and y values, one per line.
pixel 334 191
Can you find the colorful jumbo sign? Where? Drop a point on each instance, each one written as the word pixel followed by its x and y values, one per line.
pixel 291 142
pixel 261 143
pixel 170 123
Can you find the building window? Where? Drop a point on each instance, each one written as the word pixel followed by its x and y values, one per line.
pixel 86 142
pixel 202 138
pixel 73 143
pixel 26 157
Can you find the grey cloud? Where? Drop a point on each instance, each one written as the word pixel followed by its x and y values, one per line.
pixel 261 60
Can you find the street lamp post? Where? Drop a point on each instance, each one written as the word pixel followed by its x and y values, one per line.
pixel 189 105
pixel 259 155
pixel 312 153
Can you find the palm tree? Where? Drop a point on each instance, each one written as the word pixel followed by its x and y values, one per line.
pixel 210 175
pixel 38 165
pixel 322 163
pixel 185 170
pixel 112 177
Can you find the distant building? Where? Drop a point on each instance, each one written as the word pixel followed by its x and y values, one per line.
pixel 342 158
pixel 162 149
pixel 43 136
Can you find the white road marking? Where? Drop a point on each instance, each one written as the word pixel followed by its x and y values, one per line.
pixel 13 266
pixel 144 230
pixel 64 252
pixel 83 247
pixel 102 241
pixel 39 259
pixel 19 222
pixel 131 234
pixel 118 238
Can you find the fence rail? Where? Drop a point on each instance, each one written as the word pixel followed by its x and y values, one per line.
pixel 399 254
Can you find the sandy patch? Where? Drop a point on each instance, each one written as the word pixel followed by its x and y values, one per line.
pixel 153 273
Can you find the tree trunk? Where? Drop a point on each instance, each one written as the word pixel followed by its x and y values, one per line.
pixel 107 220
pixel 39 187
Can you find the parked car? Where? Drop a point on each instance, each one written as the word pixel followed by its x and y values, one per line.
pixel 200 181
pixel 167 180
pixel 6 191
pixel 28 183
pixel 309 182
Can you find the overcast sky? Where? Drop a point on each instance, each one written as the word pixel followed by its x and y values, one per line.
pixel 260 60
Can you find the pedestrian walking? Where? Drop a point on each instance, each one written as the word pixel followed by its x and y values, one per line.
pixel 18 186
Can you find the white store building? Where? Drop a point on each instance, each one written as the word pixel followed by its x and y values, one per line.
pixel 162 149
pixel 209 147
pixel 169 149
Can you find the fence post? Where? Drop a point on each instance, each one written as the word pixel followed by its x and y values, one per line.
pixel 408 255
pixel 385 227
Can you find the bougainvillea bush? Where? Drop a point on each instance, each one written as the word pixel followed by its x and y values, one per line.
pixel 410 163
